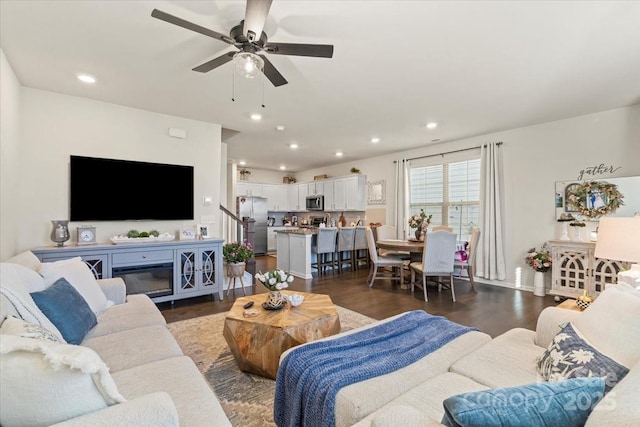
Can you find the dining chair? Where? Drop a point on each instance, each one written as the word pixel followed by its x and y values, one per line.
pixel 345 248
pixel 325 246
pixel 360 247
pixel 388 232
pixel 378 262
pixel 470 263
pixel 443 228
pixel 437 260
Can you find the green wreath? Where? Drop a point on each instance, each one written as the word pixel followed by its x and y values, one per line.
pixel 595 198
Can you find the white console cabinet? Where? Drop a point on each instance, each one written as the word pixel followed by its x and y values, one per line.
pixel 576 269
pixel 189 267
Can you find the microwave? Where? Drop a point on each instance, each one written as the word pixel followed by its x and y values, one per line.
pixel 315 203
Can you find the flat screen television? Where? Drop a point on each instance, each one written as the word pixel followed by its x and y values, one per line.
pixel 120 190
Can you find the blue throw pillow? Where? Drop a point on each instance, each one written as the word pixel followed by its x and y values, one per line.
pixel 565 403
pixel 67 310
pixel 570 356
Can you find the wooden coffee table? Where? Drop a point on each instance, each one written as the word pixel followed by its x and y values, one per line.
pixel 258 342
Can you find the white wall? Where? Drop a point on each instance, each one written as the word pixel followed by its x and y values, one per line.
pixel 9 157
pixel 55 126
pixel 534 158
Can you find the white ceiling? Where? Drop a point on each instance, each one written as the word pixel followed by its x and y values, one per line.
pixel 474 67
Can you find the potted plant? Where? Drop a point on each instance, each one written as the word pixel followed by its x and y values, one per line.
pixel 274 281
pixel 244 174
pixel 540 261
pixel 236 256
pixel 355 170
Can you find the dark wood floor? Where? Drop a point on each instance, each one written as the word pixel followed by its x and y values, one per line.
pixel 492 309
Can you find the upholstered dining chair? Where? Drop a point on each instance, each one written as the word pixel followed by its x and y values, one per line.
pixel 345 248
pixel 325 246
pixel 437 260
pixel 470 263
pixel 443 228
pixel 360 247
pixel 388 232
pixel 381 262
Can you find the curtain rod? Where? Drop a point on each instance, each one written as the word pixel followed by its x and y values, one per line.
pixel 448 152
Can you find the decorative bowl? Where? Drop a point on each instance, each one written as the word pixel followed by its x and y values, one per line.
pixel 295 299
pixel 582 304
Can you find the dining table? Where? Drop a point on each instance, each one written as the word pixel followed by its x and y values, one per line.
pixel 409 245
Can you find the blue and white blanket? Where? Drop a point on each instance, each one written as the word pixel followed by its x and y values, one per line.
pixel 310 376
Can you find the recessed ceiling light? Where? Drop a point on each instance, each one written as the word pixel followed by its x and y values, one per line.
pixel 432 125
pixel 283 167
pixel 86 78
pixel 375 140
pixel 280 127
pixel 242 163
pixel 256 117
pixel 293 146
pixel 338 153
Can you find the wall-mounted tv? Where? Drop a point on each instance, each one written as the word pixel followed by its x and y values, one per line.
pixel 120 190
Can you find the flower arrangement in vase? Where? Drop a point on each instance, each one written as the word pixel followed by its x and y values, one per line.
pixel 539 260
pixel 274 281
pixel 420 222
pixel 236 256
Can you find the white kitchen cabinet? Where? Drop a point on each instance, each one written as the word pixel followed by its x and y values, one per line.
pixel 276 195
pixel 293 201
pixel 355 190
pixel 303 192
pixel 244 188
pixel 315 188
pixel 272 238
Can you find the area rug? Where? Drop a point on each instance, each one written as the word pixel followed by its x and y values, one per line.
pixel 247 399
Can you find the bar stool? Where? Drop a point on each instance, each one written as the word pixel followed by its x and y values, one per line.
pixel 360 247
pixel 345 248
pixel 325 246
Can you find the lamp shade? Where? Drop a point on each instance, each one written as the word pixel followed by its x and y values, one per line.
pixel 619 239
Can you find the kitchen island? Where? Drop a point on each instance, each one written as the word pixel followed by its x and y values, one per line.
pixel 294 251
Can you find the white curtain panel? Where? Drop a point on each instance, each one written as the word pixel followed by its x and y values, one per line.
pixel 402 197
pixel 490 259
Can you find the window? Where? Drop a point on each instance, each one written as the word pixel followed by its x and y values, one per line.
pixel 450 192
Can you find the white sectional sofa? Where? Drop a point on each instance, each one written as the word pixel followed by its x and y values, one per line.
pixel 414 395
pixel 161 385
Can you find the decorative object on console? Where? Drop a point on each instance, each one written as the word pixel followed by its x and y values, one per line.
pixel 86 235
pixel 577 230
pixel 564 217
pixel 619 239
pixel 203 231
pixel 187 234
pixel 275 281
pixel 594 199
pixel 60 231
pixel 134 236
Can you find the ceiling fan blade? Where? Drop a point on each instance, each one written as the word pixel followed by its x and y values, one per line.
pixel 272 74
pixel 255 16
pixel 214 63
pixel 316 50
pixel 163 16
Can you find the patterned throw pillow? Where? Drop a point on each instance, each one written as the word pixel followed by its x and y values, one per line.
pixel 571 356
pixel 14 326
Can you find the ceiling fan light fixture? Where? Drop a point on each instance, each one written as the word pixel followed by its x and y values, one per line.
pixel 248 65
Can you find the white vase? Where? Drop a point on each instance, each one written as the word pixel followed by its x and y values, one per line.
pixel 564 234
pixel 538 284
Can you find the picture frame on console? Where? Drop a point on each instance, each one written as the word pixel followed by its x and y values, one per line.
pixel 188 234
pixel 203 231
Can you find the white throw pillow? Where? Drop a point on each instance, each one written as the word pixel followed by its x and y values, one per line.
pixel 44 383
pixel 16 284
pixel 18 327
pixel 612 323
pixel 26 259
pixel 80 277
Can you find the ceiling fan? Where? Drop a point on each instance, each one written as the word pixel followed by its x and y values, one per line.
pixel 251 42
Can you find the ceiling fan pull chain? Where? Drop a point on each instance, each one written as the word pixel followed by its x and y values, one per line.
pixel 262 90
pixel 233 85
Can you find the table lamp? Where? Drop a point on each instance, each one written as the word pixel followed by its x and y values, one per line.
pixel 619 240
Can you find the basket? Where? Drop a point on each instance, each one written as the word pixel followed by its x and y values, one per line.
pixel 582 304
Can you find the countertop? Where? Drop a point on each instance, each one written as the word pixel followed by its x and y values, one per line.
pixel 298 230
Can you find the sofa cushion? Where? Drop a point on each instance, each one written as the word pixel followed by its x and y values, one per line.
pixel 507 360
pixel 26 259
pixel 195 401
pixel 137 312
pixel 80 277
pixel 620 406
pixel 44 382
pixel 566 403
pixel 612 323
pixel 18 327
pixel 16 284
pixel 126 349
pixel 66 308
pixel 570 356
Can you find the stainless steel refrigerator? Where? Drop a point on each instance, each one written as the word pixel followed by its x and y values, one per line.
pixel 256 208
